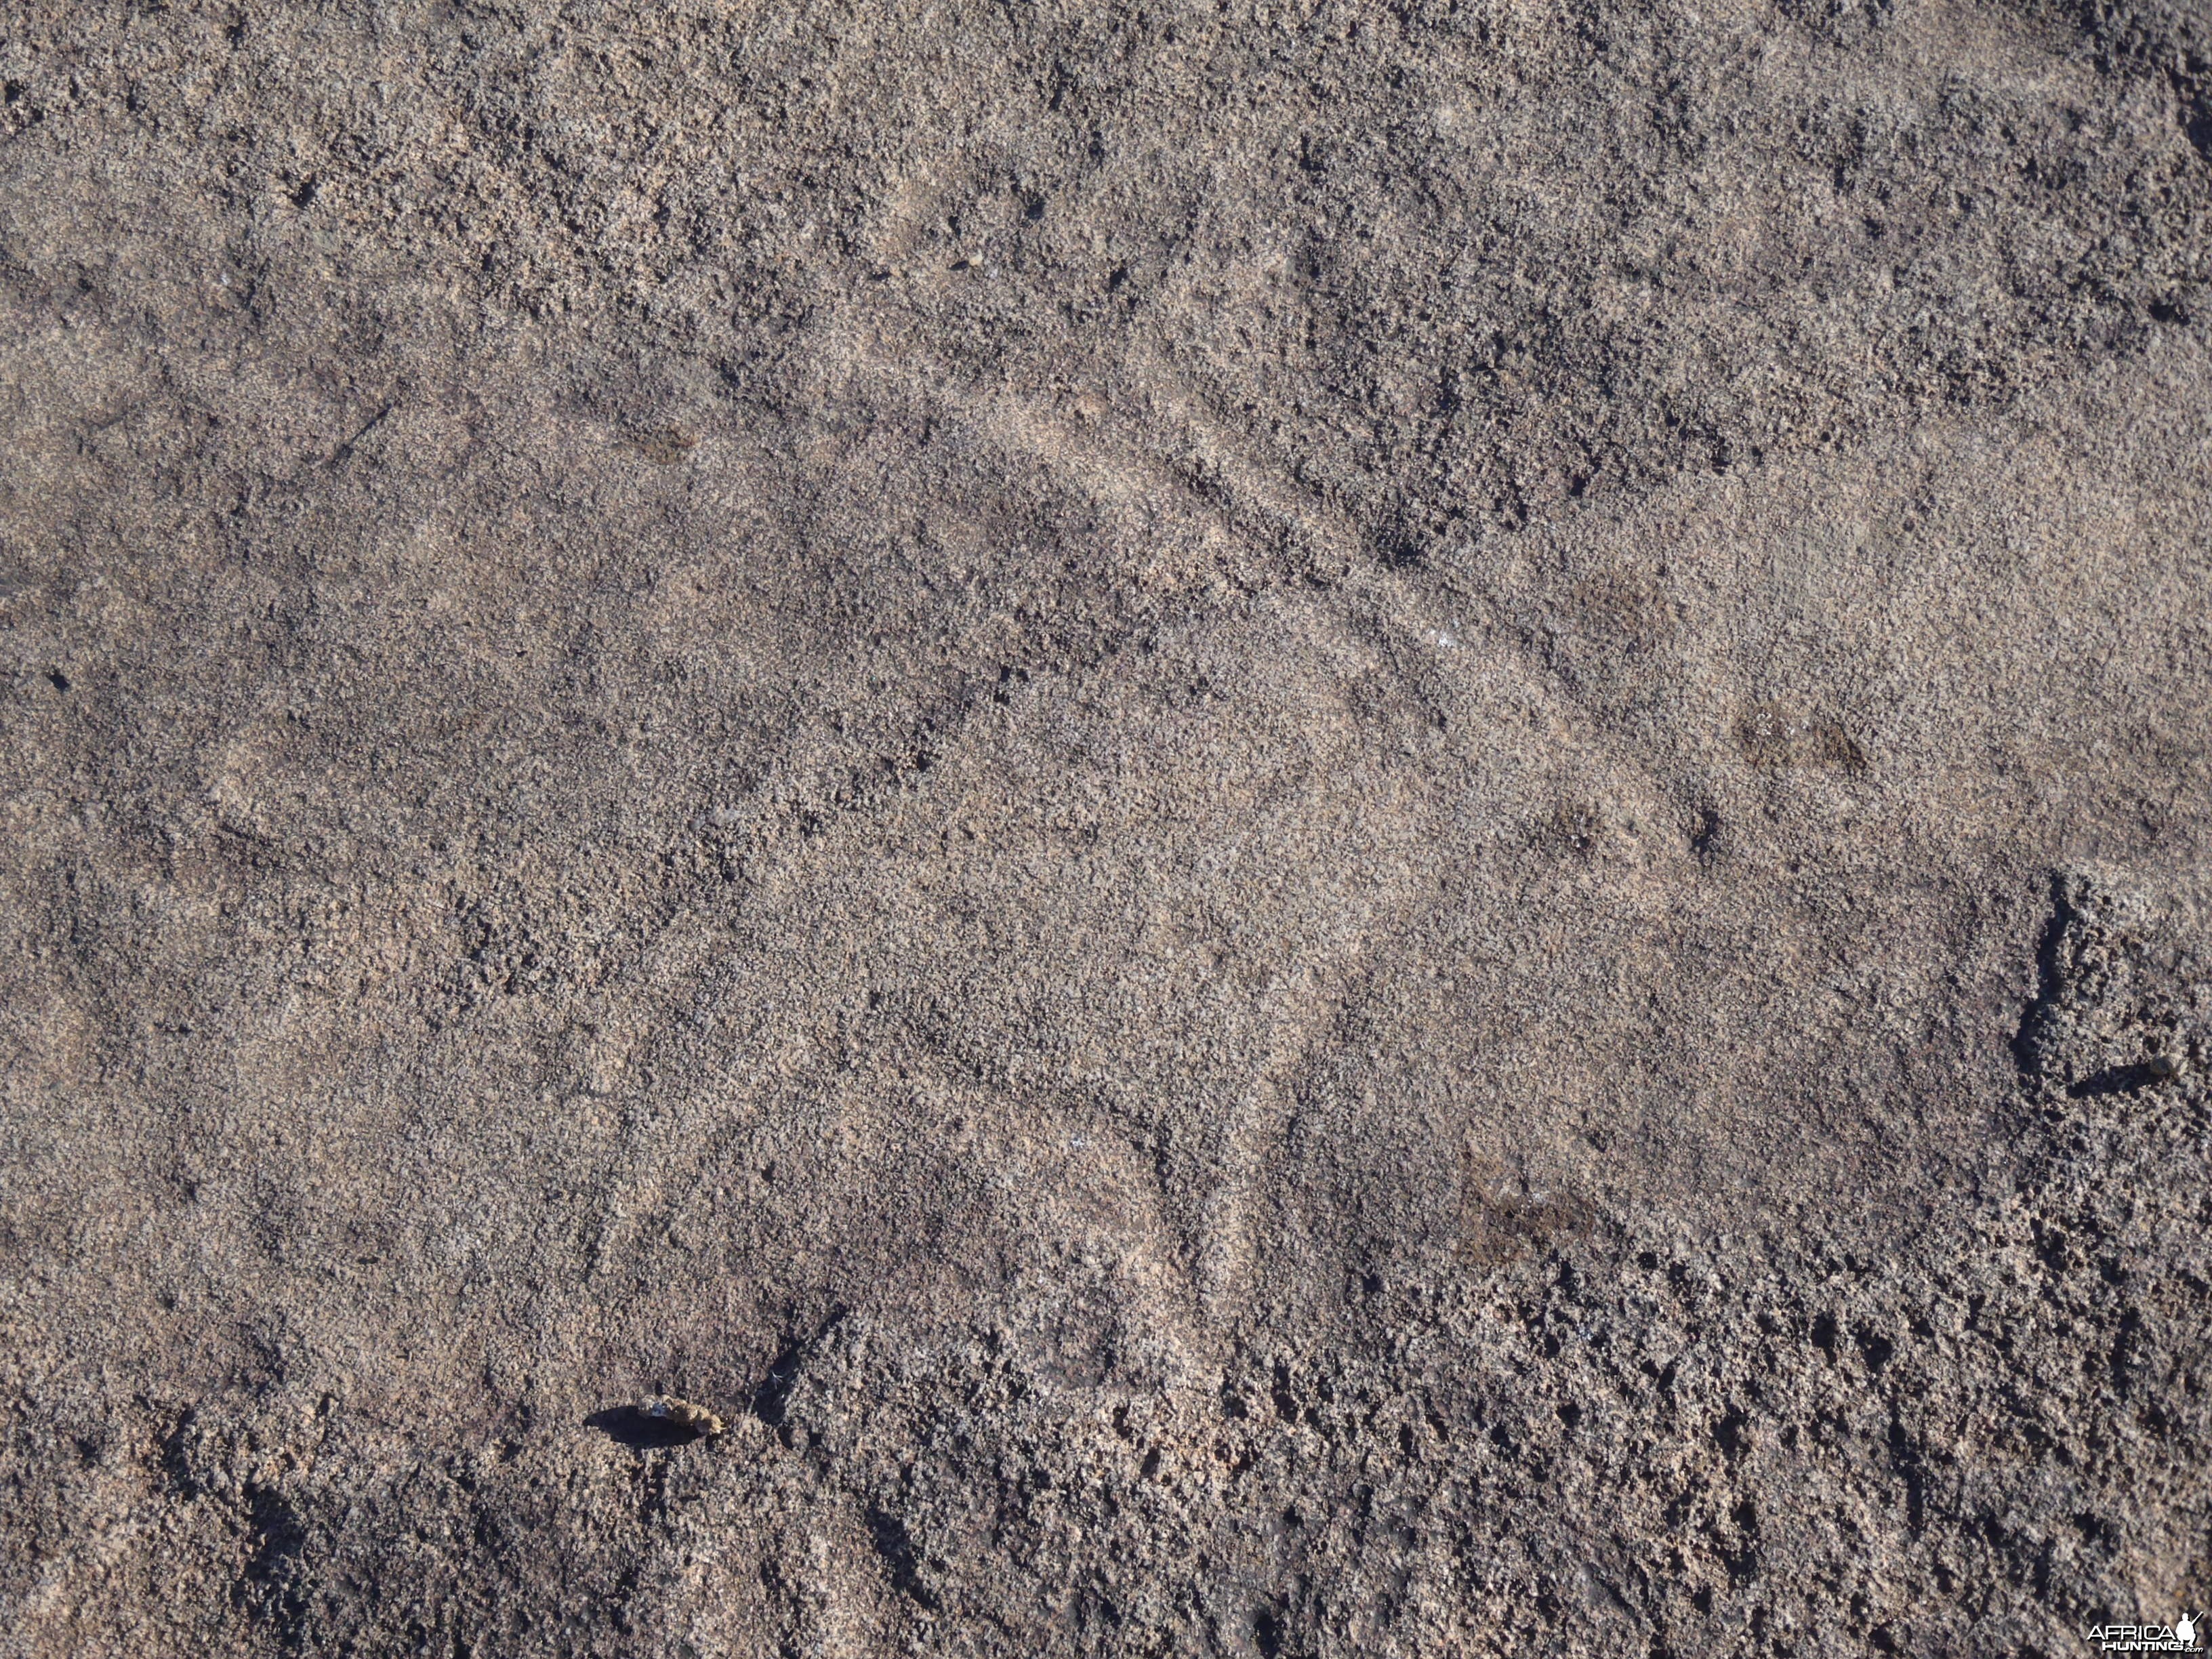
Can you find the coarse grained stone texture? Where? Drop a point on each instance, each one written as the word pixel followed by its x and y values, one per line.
pixel 1303 828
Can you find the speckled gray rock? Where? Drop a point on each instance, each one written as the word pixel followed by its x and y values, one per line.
pixel 1300 828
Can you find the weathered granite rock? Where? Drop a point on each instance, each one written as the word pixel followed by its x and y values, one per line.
pixel 1300 828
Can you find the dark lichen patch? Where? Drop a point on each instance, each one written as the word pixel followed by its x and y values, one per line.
pixel 1503 1220
pixel 1629 606
pixel 1576 829
pixel 1777 737
pixel 664 446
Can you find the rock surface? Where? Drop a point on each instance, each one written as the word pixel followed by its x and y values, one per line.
pixel 1301 827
